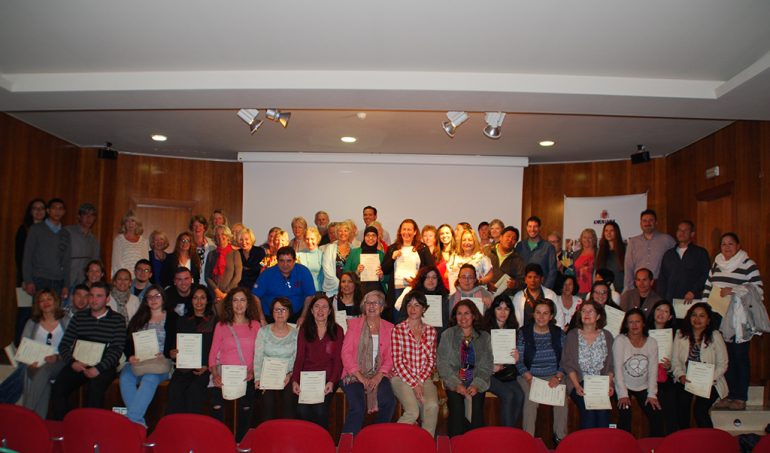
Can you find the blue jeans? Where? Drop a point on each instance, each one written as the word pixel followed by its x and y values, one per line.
pixel 356 397
pixel 738 370
pixel 137 392
pixel 511 400
pixel 590 418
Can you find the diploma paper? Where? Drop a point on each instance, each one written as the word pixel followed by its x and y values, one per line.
pixel 503 343
pixel 273 373
pixel 477 302
pixel 502 284
pixel 22 298
pixel 680 308
pixel 701 377
pixel 10 352
pixel 432 315
pixel 311 387
pixel 341 318
pixel 30 351
pixel 145 344
pixel 88 352
pixel 614 319
pixel 718 303
pixel 370 261
pixel 597 392
pixel 189 350
pixel 540 392
pixel 664 338
pixel 233 381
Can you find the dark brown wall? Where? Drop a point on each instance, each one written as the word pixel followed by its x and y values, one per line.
pixel 37 164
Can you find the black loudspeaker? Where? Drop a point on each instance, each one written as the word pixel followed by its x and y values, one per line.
pixel 640 157
pixel 106 153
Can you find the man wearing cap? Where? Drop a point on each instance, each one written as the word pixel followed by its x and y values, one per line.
pixel 84 245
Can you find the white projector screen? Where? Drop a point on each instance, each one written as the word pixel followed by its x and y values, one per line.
pixel 429 189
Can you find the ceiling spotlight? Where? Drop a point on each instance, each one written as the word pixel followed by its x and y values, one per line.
pixel 348 139
pixel 547 143
pixel 159 137
pixel 249 116
pixel 278 116
pixel 455 120
pixel 494 124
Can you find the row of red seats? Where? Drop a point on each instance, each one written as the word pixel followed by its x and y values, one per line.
pixel 99 430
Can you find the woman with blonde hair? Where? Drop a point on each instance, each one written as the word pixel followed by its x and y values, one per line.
pixel 158 245
pixel 129 246
pixel 251 256
pixel 585 261
pixel 223 267
pixel 469 251
pixel 335 256
pixel 299 228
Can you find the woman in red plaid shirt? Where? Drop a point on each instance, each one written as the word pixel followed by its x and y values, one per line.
pixel 414 359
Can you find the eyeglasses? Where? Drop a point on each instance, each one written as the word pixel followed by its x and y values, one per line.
pixel 371 302
pixel 280 310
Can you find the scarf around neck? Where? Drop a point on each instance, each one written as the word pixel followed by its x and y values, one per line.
pixel 731 264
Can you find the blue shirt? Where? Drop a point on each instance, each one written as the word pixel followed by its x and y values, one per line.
pixel 297 287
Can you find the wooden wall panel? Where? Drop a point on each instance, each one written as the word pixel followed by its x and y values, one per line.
pixel 545 187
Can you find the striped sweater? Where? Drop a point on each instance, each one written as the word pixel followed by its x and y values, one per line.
pixel 110 329
pixel 746 272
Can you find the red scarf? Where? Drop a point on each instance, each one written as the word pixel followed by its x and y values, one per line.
pixel 219 268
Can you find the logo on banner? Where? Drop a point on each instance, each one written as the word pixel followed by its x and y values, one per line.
pixel 604 217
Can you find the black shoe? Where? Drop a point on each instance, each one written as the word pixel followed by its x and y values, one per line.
pixel 556 440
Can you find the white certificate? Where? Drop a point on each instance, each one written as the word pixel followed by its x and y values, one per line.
pixel 370 261
pixel 502 284
pixel 10 352
pixel 597 392
pixel 718 303
pixel 478 302
pixel 145 344
pixel 311 387
pixel 540 392
pixel 273 373
pixel 88 352
pixel 614 319
pixel 30 351
pixel 664 338
pixel 233 381
pixel 341 318
pixel 23 299
pixel 503 343
pixel 680 308
pixel 433 315
pixel 701 377
pixel 189 348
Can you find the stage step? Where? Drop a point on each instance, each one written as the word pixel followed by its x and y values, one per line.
pixel 752 420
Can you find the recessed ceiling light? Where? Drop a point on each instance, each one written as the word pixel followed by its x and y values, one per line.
pixel 159 137
pixel 349 139
pixel 547 143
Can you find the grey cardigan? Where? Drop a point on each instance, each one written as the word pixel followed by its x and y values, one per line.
pixel 569 357
pixel 449 358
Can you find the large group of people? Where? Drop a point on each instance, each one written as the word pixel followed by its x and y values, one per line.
pixel 353 305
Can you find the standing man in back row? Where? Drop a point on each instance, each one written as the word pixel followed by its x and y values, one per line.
pixel 535 250
pixel 369 216
pixel 684 268
pixel 646 250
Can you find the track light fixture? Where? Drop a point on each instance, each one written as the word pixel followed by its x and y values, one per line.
pixel 278 116
pixel 494 124
pixel 249 116
pixel 455 120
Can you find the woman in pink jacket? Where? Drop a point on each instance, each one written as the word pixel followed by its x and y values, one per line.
pixel 367 363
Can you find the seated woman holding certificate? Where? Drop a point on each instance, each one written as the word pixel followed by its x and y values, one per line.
pixel 187 389
pixel 468 287
pixel 319 348
pixel 349 295
pixel 540 347
pixel 661 316
pixel 231 359
pixel 636 372
pixel 151 335
pixel 503 382
pixel 588 354
pixel 736 276
pixel 274 354
pixel 429 282
pixel 465 367
pixel 367 362
pixel 368 252
pixel 698 341
pixel 46 326
pixel 414 359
